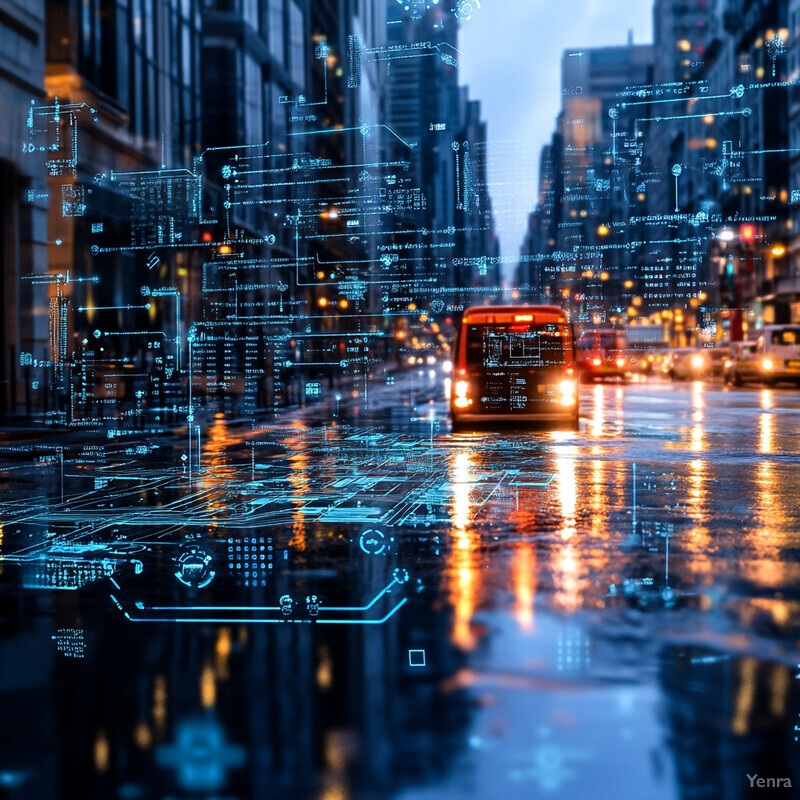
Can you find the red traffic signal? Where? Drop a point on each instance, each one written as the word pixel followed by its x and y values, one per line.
pixel 747 233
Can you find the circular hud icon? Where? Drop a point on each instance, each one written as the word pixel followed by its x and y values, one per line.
pixel 194 567
pixel 373 542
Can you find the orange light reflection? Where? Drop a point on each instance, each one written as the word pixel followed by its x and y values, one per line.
pixel 462 568
pixel 567 564
pixel 523 573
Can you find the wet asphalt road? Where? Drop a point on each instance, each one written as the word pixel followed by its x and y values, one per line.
pixel 607 613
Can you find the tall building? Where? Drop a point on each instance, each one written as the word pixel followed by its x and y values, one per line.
pixel 671 274
pixel 586 183
pixel 23 202
pixel 747 60
pixel 535 269
pixel 124 102
pixel 428 108
pixel 788 285
pixel 256 72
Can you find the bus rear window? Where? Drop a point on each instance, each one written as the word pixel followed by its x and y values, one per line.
pixel 518 345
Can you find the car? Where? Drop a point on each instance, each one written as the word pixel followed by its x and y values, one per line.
pixel 741 364
pixel 422 356
pixel 772 359
pixel 779 347
pixel 652 362
pixel 514 365
pixel 646 361
pixel 601 354
pixel 719 355
pixel 641 360
pixel 687 363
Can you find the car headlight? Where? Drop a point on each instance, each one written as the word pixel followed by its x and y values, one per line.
pixel 728 364
pixel 767 364
pixel 597 362
pixel 620 362
pixel 697 362
pixel 431 359
pixel 412 359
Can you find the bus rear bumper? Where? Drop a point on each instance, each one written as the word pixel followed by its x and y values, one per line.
pixel 568 416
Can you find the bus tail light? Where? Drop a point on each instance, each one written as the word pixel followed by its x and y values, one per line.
pixel 567 389
pixel 462 391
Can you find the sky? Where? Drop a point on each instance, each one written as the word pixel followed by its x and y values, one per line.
pixel 511 60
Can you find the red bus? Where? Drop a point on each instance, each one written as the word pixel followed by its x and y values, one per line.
pixel 514 364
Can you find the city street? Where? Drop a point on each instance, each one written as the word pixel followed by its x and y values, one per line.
pixel 553 609
pixel 399 400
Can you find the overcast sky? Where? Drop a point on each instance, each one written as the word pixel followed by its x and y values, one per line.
pixel 510 58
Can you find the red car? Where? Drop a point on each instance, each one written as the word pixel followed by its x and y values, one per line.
pixel 601 354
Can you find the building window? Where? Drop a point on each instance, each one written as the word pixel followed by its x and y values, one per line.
pixel 253 102
pixel 250 13
pixel 276 29
pixel 297 45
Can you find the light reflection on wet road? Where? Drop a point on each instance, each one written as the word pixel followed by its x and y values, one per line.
pixel 596 599
pixel 606 613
